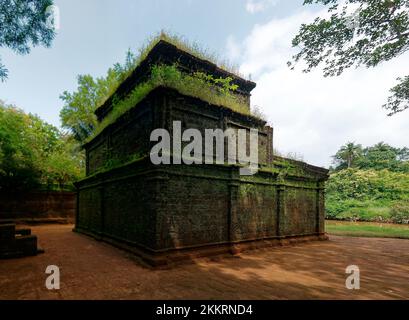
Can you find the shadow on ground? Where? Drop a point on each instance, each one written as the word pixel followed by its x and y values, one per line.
pixel 95 270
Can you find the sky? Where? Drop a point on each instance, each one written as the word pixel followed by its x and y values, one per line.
pixel 312 116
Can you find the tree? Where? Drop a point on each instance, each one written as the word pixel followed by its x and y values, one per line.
pixel 77 114
pixel 376 31
pixel 65 164
pixel 377 157
pixel 403 154
pixel 23 23
pixel 18 169
pixel 398 101
pixel 380 156
pixel 347 155
pixel 34 153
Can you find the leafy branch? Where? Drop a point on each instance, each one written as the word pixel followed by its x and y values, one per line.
pixel 377 31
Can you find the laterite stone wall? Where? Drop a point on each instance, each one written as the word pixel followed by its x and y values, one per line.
pixel 38 206
pixel 162 212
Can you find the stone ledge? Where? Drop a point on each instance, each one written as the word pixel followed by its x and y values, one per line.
pixel 173 257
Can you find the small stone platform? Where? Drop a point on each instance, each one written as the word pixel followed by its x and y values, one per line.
pixel 16 243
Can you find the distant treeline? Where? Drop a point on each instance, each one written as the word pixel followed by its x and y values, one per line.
pixel 370 184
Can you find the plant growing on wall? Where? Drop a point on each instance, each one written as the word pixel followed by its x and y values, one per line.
pixel 77 114
pixel 217 91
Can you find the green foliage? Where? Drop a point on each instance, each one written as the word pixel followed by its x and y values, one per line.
pixel 77 114
pixel 347 155
pixel 400 212
pixel 383 156
pixel 34 153
pixel 368 195
pixel 286 166
pixel 23 24
pixel 376 31
pixel 17 158
pixel 377 157
pixel 224 83
pixel 365 229
pixel 399 100
pixel 368 185
pixel 358 210
pixel 64 165
pixel 178 41
pixel 215 91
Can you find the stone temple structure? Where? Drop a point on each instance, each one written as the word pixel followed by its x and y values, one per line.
pixel 166 213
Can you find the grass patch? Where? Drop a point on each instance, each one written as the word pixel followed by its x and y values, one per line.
pixel 199 85
pixel 354 210
pixel 364 229
pixel 179 42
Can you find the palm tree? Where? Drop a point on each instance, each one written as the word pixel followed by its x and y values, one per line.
pixel 348 154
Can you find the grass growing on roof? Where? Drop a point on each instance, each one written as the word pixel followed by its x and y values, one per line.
pixel 199 85
pixel 181 43
pixel 191 47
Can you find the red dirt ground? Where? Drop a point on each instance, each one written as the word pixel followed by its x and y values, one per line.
pixel 95 270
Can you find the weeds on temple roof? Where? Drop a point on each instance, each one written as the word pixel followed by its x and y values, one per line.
pixel 198 85
pixel 181 43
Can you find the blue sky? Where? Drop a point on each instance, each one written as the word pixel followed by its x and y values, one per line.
pixel 94 34
pixel 311 115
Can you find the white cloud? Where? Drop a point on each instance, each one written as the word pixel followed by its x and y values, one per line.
pixel 254 6
pixel 313 115
pixel 233 48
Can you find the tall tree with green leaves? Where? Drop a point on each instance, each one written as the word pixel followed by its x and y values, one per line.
pixel 357 32
pixel 382 156
pixel 377 157
pixel 23 24
pixel 34 153
pixel 77 114
pixel 347 155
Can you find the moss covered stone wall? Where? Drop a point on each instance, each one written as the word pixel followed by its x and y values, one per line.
pixel 163 211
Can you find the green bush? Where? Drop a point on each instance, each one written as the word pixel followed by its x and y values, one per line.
pixel 358 210
pixel 400 212
pixel 34 153
pixel 335 208
pixel 365 185
pixel 367 195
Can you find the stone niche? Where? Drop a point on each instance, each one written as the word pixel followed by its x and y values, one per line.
pixel 169 213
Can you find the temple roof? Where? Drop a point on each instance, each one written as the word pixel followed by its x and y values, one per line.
pixel 166 53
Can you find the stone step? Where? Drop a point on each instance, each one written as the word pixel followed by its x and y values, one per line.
pixel 19 247
pixel 7 232
pixel 17 243
pixel 27 245
pixel 23 232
